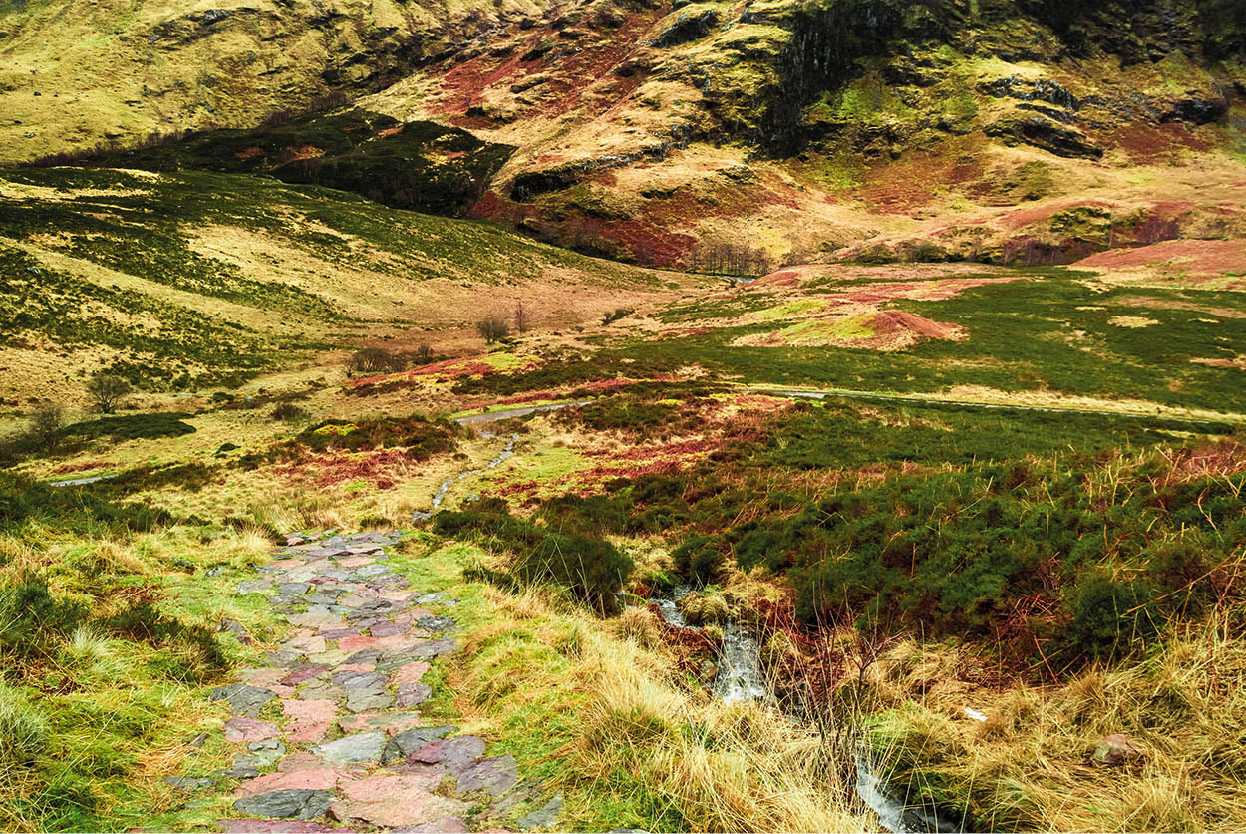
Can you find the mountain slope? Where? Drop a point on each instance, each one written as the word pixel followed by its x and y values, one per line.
pixel 76 74
pixel 191 280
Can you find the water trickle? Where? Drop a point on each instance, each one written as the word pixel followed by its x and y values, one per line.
pixel 739 663
pixel 507 452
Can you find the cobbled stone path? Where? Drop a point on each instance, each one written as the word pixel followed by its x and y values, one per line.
pixel 350 750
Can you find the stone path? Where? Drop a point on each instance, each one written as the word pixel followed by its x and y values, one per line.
pixel 343 746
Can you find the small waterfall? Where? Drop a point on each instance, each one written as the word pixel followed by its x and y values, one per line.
pixel 739 663
pixel 739 666
pixel 740 678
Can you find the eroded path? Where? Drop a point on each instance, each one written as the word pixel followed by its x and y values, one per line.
pixel 329 734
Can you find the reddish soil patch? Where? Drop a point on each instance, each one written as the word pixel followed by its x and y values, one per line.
pixel 910 183
pixel 782 278
pixel 923 290
pixel 1205 258
pixel 81 467
pixel 1018 219
pixel 328 470
pixel 1149 143
pixel 249 153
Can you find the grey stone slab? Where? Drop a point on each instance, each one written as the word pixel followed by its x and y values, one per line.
pixel 295 803
pixel 361 747
pixel 407 742
pixel 243 698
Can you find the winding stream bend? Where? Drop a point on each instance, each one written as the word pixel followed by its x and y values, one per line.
pixel 507 452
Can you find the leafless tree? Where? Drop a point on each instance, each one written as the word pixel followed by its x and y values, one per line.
pixel 45 425
pixel 107 391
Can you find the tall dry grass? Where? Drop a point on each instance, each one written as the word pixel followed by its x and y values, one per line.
pixel 1029 766
pixel 641 730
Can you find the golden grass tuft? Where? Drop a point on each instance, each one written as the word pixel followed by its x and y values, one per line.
pixel 1029 766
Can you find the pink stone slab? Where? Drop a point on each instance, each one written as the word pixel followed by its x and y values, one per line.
pixel 395 801
pixel 309 711
pixel 308 730
pixel 319 779
pixel 411 672
pixel 240 728
pixel 301 760
pixel 354 644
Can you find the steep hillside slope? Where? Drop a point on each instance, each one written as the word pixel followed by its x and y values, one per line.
pixel 75 74
pixel 711 133
pixel 184 281
pixel 654 132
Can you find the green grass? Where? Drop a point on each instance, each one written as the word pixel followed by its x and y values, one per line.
pixel 1049 332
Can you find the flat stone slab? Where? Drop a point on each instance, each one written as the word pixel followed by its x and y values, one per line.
pixel 309 711
pixel 414 693
pixel 265 752
pixel 410 672
pixel 254 826
pixel 302 760
pixel 243 698
pixel 305 645
pixel 315 690
pixel 395 801
pixel 544 817
pixel 361 747
pixel 445 825
pixel 497 775
pixel 365 700
pixel 190 784
pixel 456 753
pixel 308 731
pixel 254 586
pixel 408 741
pixel 436 623
pixel 286 804
pixel 390 723
pixel 244 728
pixel 319 779
pixel 303 674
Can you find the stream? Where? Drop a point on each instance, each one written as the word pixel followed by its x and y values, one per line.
pixel 740 678
pixel 507 452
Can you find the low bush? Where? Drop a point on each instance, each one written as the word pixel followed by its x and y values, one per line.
pixel 593 569
pixel 133 426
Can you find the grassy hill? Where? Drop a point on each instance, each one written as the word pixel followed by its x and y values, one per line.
pixel 181 281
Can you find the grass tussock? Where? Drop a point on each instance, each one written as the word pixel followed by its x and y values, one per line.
pixel 600 711
pixel 1029 766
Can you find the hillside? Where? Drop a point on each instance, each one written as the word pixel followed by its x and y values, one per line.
pixel 622 415
pixel 186 281
pixel 648 132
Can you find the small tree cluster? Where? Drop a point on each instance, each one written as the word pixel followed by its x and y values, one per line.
pixel 493 329
pixel 722 258
pixel 376 360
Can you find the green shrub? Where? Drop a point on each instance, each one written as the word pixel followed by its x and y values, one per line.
pixel 31 619
pixel 133 426
pixel 593 569
pixel 1110 618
